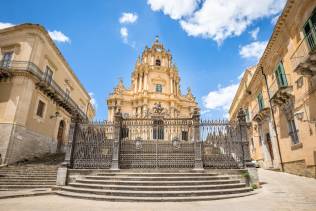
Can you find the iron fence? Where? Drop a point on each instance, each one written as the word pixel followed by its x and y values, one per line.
pixel 159 142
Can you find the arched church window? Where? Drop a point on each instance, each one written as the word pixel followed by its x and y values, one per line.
pixel 158 62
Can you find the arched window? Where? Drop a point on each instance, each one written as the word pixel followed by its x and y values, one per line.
pixel 158 63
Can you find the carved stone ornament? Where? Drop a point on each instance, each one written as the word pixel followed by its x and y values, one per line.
pixel 288 109
pixel 176 143
pixel 138 144
pixel 158 108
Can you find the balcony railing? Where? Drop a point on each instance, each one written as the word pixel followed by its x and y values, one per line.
pixel 277 85
pixel 48 85
pixel 256 110
pixel 304 48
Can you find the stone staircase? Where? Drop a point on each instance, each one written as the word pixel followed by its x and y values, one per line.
pixel 37 173
pixel 154 186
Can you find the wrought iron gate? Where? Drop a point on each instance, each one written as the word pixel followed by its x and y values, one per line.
pixel 223 144
pixel 159 142
pixel 156 143
pixel 93 145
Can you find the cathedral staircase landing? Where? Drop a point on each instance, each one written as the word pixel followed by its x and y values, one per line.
pixel 155 186
pixel 36 173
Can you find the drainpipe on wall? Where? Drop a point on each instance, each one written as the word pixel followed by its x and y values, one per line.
pixel 273 119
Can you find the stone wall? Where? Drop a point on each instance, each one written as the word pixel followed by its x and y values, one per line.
pixel 26 144
pixel 299 168
pixel 5 134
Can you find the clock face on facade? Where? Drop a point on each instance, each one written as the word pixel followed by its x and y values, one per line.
pixel 158 49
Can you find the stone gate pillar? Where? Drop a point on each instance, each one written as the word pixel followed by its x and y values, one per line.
pixel 73 130
pixel 117 139
pixel 198 163
pixel 246 159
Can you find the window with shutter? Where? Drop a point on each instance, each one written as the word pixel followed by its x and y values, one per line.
pixel 6 59
pixel 310 31
pixel 40 109
pixel 280 75
pixel 260 101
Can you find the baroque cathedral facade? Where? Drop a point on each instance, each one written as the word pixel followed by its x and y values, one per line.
pixel 155 88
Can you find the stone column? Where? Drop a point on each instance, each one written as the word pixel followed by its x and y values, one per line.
pixel 140 82
pixel 246 159
pixel 198 163
pixel 135 85
pixel 176 87
pixel 171 85
pixel 116 143
pixel 137 82
pixel 146 81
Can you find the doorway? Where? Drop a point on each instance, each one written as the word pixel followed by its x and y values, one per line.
pixel 60 135
pixel 269 143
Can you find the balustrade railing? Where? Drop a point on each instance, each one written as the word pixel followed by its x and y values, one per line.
pixel 44 81
pixel 277 84
pixel 305 46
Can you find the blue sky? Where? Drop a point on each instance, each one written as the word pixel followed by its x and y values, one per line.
pixel 212 41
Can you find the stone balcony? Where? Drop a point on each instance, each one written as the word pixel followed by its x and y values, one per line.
pixel 48 86
pixel 303 59
pixel 281 92
pixel 259 114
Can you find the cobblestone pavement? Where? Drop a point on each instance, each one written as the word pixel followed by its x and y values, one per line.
pixel 280 192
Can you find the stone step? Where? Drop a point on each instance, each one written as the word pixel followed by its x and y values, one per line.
pixel 167 178
pixel 153 174
pixel 28 177
pixel 31 167
pixel 158 188
pixel 24 186
pixel 3 182
pixel 28 174
pixel 152 199
pixel 158 183
pixel 28 170
pixel 156 193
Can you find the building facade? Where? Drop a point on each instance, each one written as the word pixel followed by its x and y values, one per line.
pixel 279 94
pixel 39 94
pixel 155 85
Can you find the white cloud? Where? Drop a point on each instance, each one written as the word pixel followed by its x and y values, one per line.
pixel 58 36
pixel 93 100
pixel 217 19
pixel 176 9
pixel 275 19
pixel 254 33
pixel 124 34
pixel 220 98
pixel 5 25
pixel 128 18
pixel 241 75
pixel 253 50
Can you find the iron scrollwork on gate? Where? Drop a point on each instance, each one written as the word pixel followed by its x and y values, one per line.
pixel 161 143
pixel 93 146
pixel 155 143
